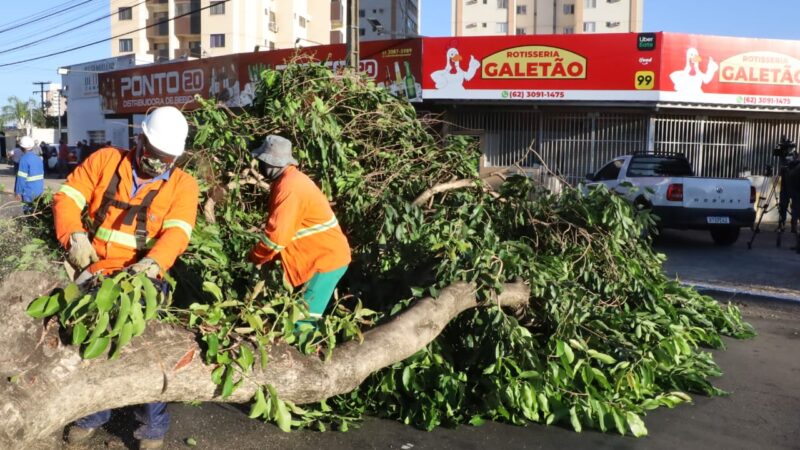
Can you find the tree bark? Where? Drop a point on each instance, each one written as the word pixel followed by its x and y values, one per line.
pixel 45 384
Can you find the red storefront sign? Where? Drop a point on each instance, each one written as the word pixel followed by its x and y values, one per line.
pixel 653 67
pixel 232 79
pixel 644 67
pixel 541 67
pixel 732 71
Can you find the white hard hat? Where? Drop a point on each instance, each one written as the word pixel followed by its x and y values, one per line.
pixel 166 129
pixel 26 142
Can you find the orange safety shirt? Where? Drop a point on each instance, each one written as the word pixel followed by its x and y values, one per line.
pixel 170 217
pixel 301 230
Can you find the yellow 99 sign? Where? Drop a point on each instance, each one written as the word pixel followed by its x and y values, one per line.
pixel 644 79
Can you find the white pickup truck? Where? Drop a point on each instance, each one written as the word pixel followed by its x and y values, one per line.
pixel 666 185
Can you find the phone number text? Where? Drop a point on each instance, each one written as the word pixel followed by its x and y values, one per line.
pixel 532 94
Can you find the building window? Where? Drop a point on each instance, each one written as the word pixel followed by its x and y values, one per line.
pixel 125 45
pixel 217 8
pixel 502 4
pixel 569 30
pixel 520 31
pixel 361 13
pixel 590 4
pixel 126 13
pixel 195 49
pixel 483 24
pixel 302 21
pixel 361 32
pixel 588 27
pixel 502 27
pixel 522 9
pixel 484 1
pixel 217 40
pixel 569 9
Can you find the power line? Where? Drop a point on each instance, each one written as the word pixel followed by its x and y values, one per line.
pixel 61 33
pixel 5 30
pixel 38 15
pixel 114 37
pixel 61 21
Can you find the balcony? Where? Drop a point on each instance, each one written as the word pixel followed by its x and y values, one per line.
pixel 187 26
pixel 337 14
pixel 158 6
pixel 158 26
pixel 336 37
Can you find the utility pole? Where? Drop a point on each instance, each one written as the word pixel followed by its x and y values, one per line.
pixel 42 91
pixel 352 34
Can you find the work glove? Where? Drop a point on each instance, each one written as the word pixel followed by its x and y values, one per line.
pixel 147 265
pixel 81 252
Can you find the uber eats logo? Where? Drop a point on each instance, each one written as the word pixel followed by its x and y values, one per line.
pixel 646 41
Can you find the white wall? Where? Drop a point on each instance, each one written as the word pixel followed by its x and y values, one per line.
pixel 84 109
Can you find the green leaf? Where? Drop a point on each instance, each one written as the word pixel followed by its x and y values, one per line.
pixel 245 359
pixel 96 347
pixel 191 442
pixel 125 335
pixel 79 333
pixel 150 298
pixel 227 383
pixel 137 318
pixel 122 314
pixel 601 356
pixel 104 299
pixel 100 326
pixel 573 419
pixel 259 407
pixel 213 289
pixel 636 425
pixel 216 375
pixel 40 308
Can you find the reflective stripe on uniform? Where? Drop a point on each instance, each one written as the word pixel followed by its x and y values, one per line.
pixel 35 178
pixel 175 223
pixel 118 237
pixel 75 195
pixel 22 174
pixel 305 232
pixel 271 245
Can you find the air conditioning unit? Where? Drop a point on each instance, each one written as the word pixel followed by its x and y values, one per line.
pixel 273 26
pixel 612 24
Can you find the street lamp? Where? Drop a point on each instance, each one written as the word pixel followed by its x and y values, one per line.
pixel 297 41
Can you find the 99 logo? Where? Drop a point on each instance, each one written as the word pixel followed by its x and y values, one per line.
pixel 644 79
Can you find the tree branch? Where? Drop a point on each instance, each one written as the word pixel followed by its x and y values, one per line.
pixel 45 384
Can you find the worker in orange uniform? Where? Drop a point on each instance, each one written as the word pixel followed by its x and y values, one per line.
pixel 301 231
pixel 142 211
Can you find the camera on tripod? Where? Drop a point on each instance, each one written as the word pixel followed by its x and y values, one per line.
pixel 784 148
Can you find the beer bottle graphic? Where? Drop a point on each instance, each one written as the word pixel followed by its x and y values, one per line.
pixel 399 78
pixel 411 89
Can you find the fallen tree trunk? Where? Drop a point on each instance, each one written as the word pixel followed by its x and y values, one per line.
pixel 46 384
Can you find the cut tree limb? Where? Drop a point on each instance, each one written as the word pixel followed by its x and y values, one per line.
pixel 45 384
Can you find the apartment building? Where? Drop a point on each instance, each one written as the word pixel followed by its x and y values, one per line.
pixel 202 28
pixel 511 17
pixel 388 19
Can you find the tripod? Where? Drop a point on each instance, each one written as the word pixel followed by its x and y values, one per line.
pixel 765 207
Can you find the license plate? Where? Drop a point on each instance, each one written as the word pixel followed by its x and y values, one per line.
pixel 718 219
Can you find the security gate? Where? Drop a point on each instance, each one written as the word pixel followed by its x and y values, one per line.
pixel 572 144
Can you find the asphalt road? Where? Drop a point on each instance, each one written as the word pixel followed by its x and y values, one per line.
pixel 761 412
pixel 762 375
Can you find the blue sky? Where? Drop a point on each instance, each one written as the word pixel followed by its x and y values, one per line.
pixel 778 19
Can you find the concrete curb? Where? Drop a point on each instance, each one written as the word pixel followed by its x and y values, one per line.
pixel 751 292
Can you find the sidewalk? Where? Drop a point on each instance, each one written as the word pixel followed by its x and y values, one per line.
pixel 766 270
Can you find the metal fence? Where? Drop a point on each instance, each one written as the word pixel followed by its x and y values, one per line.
pixel 574 143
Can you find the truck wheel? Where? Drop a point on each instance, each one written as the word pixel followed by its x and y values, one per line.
pixel 725 235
